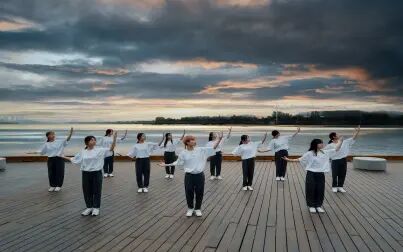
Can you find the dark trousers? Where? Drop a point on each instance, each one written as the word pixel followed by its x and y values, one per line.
pixel 143 172
pixel 92 188
pixel 169 157
pixel 248 168
pixel 281 164
pixel 194 186
pixel 56 171
pixel 108 165
pixel 314 188
pixel 339 170
pixel 215 164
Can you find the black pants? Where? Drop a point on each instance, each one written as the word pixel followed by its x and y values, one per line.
pixel 314 188
pixel 194 185
pixel 143 172
pixel 248 168
pixel 215 164
pixel 339 170
pixel 108 165
pixel 281 164
pixel 169 157
pixel 92 188
pixel 56 171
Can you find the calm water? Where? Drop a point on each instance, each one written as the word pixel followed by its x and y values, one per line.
pixel 19 139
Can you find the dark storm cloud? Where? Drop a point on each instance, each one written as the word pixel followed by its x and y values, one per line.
pixel 327 33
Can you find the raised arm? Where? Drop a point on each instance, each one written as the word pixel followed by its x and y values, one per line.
pixel 124 136
pixel 162 140
pixel 357 131
pixel 229 132
pixel 217 143
pixel 264 138
pixel 296 133
pixel 339 143
pixel 115 135
pixel 70 134
pixel 183 135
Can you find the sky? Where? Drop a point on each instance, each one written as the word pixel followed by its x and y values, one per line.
pixel 109 60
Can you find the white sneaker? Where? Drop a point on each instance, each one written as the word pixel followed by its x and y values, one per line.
pixel 320 210
pixel 250 188
pixel 245 188
pixel 282 178
pixel 198 213
pixel 140 190
pixel 51 189
pixel 167 176
pixel 111 175
pixel 105 175
pixel 219 178
pixel 312 210
pixel 212 177
pixel 277 178
pixel 171 176
pixel 95 212
pixel 189 212
pixel 145 189
pixel 57 189
pixel 86 212
pixel 334 189
pixel 341 189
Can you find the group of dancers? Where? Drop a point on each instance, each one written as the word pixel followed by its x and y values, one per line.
pixel 96 162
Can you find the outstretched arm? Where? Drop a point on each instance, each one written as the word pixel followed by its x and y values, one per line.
pixel 229 133
pixel 217 143
pixel 357 131
pixel 67 158
pixel 291 159
pixel 183 135
pixel 339 143
pixel 124 136
pixel 70 134
pixel 162 140
pixel 296 133
pixel 264 138
pixel 115 135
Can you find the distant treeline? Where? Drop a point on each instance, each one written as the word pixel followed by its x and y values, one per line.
pixel 310 118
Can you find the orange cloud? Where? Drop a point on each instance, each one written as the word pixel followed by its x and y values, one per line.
pixel 208 64
pixel 15 25
pixel 243 2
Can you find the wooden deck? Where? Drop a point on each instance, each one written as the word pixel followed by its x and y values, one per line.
pixel 274 217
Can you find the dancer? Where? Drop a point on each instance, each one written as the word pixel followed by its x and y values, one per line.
pixel 280 145
pixel 316 163
pixel 194 160
pixel 169 148
pixel 53 149
pixel 339 161
pixel 142 151
pixel 247 150
pixel 91 160
pixel 216 160
pixel 106 142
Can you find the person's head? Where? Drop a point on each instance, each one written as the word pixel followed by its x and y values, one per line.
pixel 90 142
pixel 316 145
pixel 275 133
pixel 168 137
pixel 50 136
pixel 244 139
pixel 141 137
pixel 109 132
pixel 333 137
pixel 189 141
pixel 212 136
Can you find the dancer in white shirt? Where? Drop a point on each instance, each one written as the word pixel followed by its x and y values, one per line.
pixel 339 161
pixel 247 150
pixel 316 163
pixel 216 160
pixel 53 149
pixel 91 161
pixel 106 142
pixel 142 151
pixel 280 146
pixel 194 159
pixel 169 146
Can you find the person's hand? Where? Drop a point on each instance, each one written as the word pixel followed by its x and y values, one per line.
pixel 298 129
pixel 285 158
pixel 115 134
pixel 221 135
pixel 162 164
pixel 358 128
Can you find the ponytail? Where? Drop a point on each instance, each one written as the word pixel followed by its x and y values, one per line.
pixel 139 135
pixel 48 134
pixel 108 131
pixel 243 139
pixel 332 136
pixel 87 139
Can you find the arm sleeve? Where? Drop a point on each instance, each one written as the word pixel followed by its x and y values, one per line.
pixel 176 141
pixel 77 159
pixel 350 141
pixel 271 145
pixel 106 152
pixel 304 160
pixel 65 142
pixel 42 150
pixel 132 152
pixel 237 151
pixel 329 147
pixel 208 151
pixel 153 146
pixel 330 152
pixel 180 161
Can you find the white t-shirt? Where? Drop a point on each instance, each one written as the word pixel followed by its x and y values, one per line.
pixel 53 149
pixel 280 143
pixel 142 150
pixel 171 146
pixel 91 160
pixel 344 149
pixel 247 151
pixel 319 162
pixel 106 142
pixel 194 161
pixel 212 143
